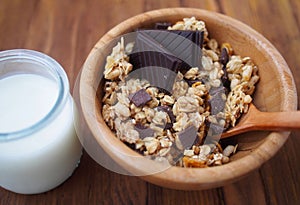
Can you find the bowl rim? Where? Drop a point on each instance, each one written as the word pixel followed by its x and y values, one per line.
pixel 215 176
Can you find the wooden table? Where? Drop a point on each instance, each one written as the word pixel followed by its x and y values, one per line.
pixel 68 29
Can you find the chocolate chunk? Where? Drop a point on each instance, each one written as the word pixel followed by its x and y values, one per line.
pixel 140 126
pixel 140 98
pixel 225 80
pixel 218 90
pixel 196 37
pixel 168 126
pixel 180 48
pixel 160 54
pixel 162 25
pixel 201 39
pixel 216 100
pixel 152 59
pixel 148 53
pixel 158 77
pixel 214 132
pixel 184 44
pixel 189 50
pixel 216 129
pixel 176 153
pixel 168 110
pixel 154 62
pixel 224 57
pixel 188 137
pixel 144 131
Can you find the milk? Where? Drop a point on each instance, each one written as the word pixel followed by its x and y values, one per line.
pixel 45 158
pixel 25 100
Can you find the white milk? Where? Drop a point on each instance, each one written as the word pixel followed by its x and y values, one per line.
pixel 45 158
pixel 25 100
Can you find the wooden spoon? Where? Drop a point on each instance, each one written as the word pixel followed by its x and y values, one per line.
pixel 272 121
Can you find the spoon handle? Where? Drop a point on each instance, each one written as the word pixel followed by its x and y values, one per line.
pixel 272 121
pixel 276 121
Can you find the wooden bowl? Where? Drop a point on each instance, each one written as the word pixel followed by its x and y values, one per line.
pixel 275 92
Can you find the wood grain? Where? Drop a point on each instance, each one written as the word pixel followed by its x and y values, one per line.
pixel 67 30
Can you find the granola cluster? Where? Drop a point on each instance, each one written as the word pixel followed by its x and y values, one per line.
pixel 175 125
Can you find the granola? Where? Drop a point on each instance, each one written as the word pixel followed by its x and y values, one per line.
pixel 203 101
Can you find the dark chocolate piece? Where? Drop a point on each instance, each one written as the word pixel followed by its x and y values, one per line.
pixel 180 47
pixel 140 98
pixel 189 50
pixel 216 129
pixel 161 78
pixel 144 131
pixel 217 90
pixel 188 137
pixel 168 126
pixel 224 79
pixel 176 153
pixel 194 36
pixel 170 113
pixel 216 100
pixel 150 59
pixel 148 53
pixel 184 44
pixel 214 132
pixel 140 126
pixel 162 25
pixel 160 54
pixel 224 57
pixel 154 62
pixel 201 39
pixel 168 110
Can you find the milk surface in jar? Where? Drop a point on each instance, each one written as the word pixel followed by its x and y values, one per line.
pixel 39 148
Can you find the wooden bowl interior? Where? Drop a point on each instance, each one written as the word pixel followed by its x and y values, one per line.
pixel 275 92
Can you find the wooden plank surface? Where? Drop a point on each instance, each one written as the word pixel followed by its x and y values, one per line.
pixel 68 29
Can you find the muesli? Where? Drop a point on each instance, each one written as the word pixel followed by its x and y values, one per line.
pixel 181 117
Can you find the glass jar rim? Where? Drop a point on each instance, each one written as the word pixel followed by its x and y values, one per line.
pixel 63 89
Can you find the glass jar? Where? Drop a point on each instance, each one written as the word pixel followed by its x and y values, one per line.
pixel 39 148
